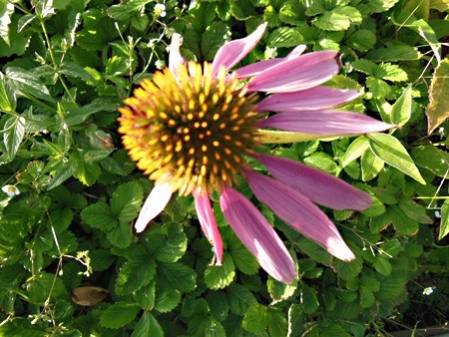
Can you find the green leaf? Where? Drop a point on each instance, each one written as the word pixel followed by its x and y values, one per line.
pixel 431 158
pixel 349 270
pixel 6 10
pixel 241 9
pixel 390 150
pixel 13 134
pixel 394 53
pixel 135 274
pixel 44 8
pixel 243 259
pixel 213 38
pixel 362 40
pixel 285 37
pixel 309 299
pixel 280 291
pixel 240 298
pixel 178 276
pixel 7 96
pixel 175 245
pixel 121 236
pixel 99 216
pixel 124 11
pixel 390 72
pixel 256 320
pixel 126 201
pixel 382 265
pixel 26 83
pixel 167 299
pixel 444 224
pixel 438 109
pixel 118 314
pixel 147 326
pixel 371 165
pixel 339 18
pixel 356 149
pixel 45 286
pixel 379 88
pixel 219 277
pixel 402 108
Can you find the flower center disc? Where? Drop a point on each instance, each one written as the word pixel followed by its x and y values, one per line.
pixel 192 130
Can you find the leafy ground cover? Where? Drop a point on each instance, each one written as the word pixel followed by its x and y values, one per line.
pixel 70 262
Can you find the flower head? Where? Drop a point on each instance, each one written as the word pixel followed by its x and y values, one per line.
pixel 193 126
pixel 10 190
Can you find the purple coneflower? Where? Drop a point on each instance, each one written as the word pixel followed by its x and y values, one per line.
pixel 193 126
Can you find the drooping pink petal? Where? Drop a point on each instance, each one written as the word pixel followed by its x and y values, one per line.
pixel 298 73
pixel 174 57
pixel 156 201
pixel 234 51
pixel 300 213
pixel 311 99
pixel 208 223
pixel 258 67
pixel 318 186
pixel 257 235
pixel 324 122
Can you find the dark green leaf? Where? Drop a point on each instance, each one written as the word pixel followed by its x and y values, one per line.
pixel 118 314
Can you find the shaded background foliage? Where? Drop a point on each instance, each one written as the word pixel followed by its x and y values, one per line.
pixel 66 66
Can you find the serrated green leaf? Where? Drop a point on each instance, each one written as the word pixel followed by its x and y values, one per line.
pixel 256 320
pixel 13 134
pixel 444 224
pixel 340 18
pixel 99 216
pixel 240 298
pixel 280 291
pixel 394 53
pixel 118 314
pixel 148 326
pixel 7 96
pixel 177 275
pixel 309 299
pixel 135 274
pixel 219 277
pixel 175 244
pixel 382 265
pixel 285 37
pixel 243 259
pixel 362 40
pixel 390 150
pixel 167 299
pixel 241 9
pixel 121 235
pixel 26 84
pixel 390 72
pixel 126 201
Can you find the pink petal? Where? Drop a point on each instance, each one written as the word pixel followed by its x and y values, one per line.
pixel 208 223
pixel 311 99
pixel 318 186
pixel 298 211
pixel 174 57
pixel 257 235
pixel 256 68
pixel 234 51
pixel 298 73
pixel 155 204
pixel 323 122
